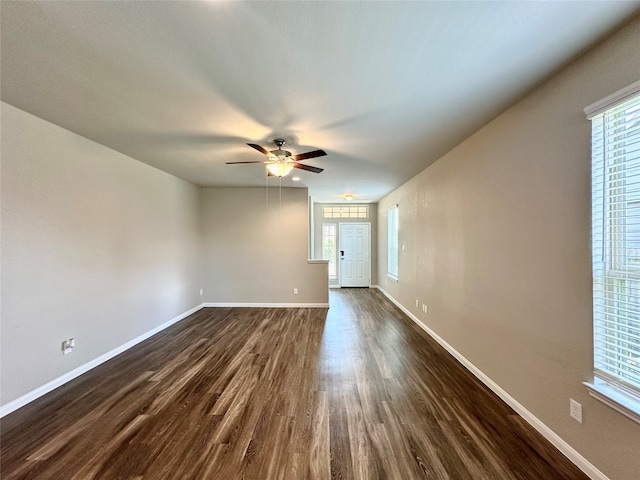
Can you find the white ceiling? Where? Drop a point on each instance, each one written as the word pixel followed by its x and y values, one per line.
pixel 385 88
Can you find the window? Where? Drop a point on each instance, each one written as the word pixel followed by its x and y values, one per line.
pixel 392 243
pixel 351 211
pixel 615 150
pixel 329 251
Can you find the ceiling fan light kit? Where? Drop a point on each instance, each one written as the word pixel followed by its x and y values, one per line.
pixel 280 169
pixel 280 162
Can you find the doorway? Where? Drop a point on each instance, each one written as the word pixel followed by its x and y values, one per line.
pixel 354 254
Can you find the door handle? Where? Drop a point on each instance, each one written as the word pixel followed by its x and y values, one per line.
pixel 342 253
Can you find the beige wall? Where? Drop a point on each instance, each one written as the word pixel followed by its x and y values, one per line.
pixel 498 236
pixel 317 233
pixel 95 246
pixel 102 248
pixel 255 255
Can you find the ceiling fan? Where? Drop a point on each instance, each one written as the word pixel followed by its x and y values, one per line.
pixel 280 162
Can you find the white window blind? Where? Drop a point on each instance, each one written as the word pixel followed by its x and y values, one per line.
pixel 392 243
pixel 329 252
pixel 616 244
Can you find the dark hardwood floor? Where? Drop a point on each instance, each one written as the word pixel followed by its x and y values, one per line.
pixel 358 392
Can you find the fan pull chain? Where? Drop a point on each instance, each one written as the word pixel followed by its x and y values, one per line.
pixel 280 199
pixel 266 188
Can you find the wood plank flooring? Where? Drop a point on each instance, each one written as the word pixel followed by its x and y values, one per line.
pixel 358 392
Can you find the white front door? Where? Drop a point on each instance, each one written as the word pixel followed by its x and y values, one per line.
pixel 354 254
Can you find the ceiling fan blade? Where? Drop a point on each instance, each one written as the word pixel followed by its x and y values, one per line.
pixel 314 154
pixel 235 163
pixel 308 168
pixel 259 148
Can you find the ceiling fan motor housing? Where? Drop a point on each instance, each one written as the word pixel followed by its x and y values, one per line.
pixel 281 153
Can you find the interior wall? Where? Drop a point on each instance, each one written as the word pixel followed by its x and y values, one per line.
pixel 95 246
pixel 317 233
pixel 498 237
pixel 258 254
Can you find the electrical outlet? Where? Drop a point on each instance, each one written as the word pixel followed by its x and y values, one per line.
pixel 67 346
pixel 295 291
pixel 575 410
pixel 417 303
pixel 425 309
pixel 201 291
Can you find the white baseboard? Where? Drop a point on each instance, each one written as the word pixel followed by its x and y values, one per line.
pixel 267 305
pixel 76 372
pixel 335 285
pixel 567 450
